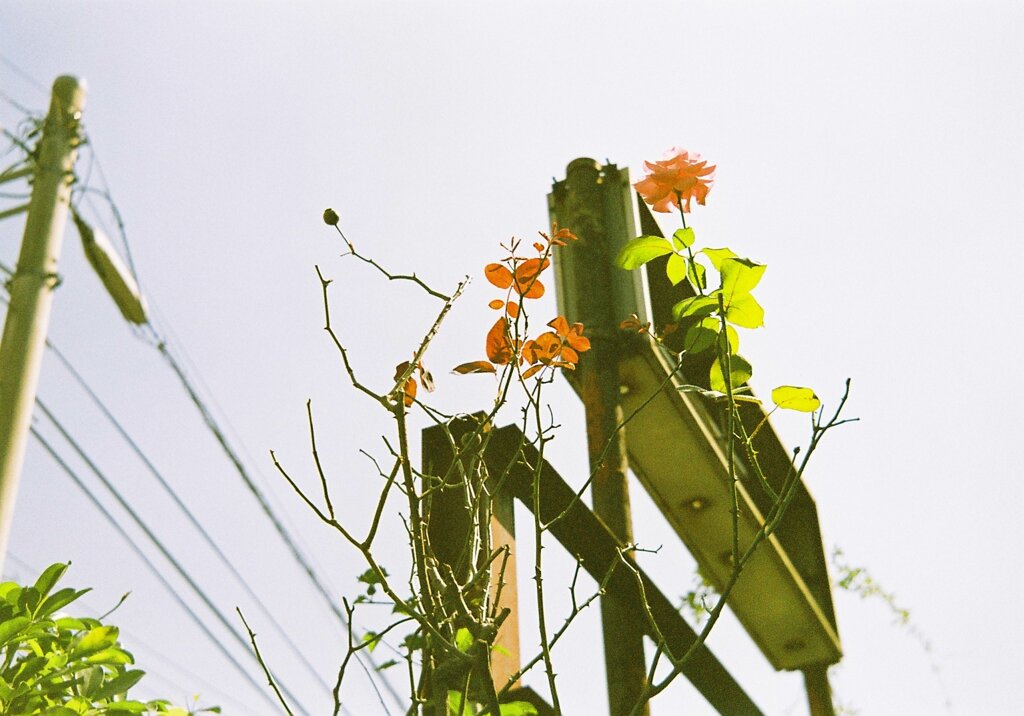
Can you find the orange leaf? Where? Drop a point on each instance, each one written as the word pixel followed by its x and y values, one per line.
pixel 527 284
pixel 563 233
pixel 539 246
pixel 543 349
pixel 499 348
pixel 533 370
pixel 498 275
pixel 560 325
pixel 477 366
pixel 633 324
pixel 512 309
pixel 410 392
pixel 400 369
pixel 496 304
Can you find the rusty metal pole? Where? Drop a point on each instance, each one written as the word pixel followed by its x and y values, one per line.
pixel 819 692
pixel 588 203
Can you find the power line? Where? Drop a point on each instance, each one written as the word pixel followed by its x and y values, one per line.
pixel 258 494
pixel 187 512
pixel 221 438
pixel 152 567
pixel 23 73
pixel 156 542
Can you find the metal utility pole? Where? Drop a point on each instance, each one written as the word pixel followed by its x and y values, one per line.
pixel 590 203
pixel 33 284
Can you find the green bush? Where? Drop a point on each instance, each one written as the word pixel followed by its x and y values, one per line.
pixel 57 665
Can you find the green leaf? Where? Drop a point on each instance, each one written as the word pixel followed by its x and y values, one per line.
pixel 6 588
pixel 50 576
pixel 701 336
pixel 92 680
pixel 69 624
pixel 641 250
pixel 114 656
pixel 372 640
pixel 12 628
pixel 386 665
pixel 791 397
pixel 454 699
pixel 739 276
pixel 119 684
pixel 58 600
pixel 463 639
pixel 683 239
pixel 518 708
pixel 697 275
pixel 717 256
pixel 745 311
pixel 695 306
pixel 13 595
pixel 371 579
pixel 95 640
pixel 675 269
pixel 740 372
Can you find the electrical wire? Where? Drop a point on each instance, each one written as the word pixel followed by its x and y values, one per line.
pixel 23 74
pixel 141 524
pixel 303 562
pixel 240 468
pixel 152 567
pixel 186 511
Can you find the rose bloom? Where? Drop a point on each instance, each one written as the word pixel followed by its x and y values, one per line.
pixel 676 179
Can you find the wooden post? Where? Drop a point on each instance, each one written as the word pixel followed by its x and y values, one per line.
pixel 451 529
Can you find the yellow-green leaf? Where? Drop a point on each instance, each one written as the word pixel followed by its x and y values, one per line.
pixel 463 639
pixel 697 275
pixel 683 238
pixel 641 250
pixel 792 397
pixel 717 256
pixel 745 311
pixel 701 336
pixel 739 370
pixel 739 276
pixel 695 306
pixel 675 269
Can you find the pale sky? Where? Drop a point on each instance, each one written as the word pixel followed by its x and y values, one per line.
pixel 869 153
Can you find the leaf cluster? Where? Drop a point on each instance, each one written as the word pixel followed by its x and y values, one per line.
pixel 57 665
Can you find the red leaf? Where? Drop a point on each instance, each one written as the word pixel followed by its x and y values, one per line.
pixel 477 366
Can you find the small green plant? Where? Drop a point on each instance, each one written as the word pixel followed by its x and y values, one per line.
pixel 56 665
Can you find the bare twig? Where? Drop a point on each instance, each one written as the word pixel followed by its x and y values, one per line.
pixel 263 665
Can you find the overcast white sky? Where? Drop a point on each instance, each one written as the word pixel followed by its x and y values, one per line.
pixel 869 153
